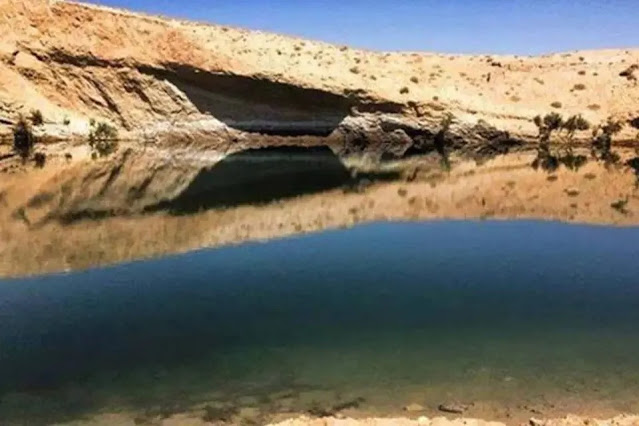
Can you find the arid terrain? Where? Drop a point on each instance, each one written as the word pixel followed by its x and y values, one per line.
pixel 218 135
pixel 397 136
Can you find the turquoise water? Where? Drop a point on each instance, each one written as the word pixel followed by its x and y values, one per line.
pixel 499 314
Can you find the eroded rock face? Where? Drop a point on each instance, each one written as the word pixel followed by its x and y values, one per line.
pixel 160 79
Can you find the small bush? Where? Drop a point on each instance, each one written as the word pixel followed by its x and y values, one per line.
pixel 594 107
pixel 551 160
pixel 575 123
pixel 23 139
pixel 414 80
pixel 36 117
pixel 556 105
pixel 354 70
pixel 39 159
pixel 103 139
pixel 66 121
pixel 582 72
pixel 404 90
pixel 579 86
pixel 620 206
pixel 601 147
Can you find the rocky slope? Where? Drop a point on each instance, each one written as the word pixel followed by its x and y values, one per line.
pixel 188 94
pixel 226 88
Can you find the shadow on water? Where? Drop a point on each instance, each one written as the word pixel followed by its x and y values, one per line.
pixel 259 176
pixel 410 303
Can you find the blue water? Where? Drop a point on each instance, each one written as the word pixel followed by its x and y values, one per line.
pixel 499 311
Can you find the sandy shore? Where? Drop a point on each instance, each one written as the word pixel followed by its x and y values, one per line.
pixel 442 421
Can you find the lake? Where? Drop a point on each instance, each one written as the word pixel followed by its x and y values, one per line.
pixel 507 319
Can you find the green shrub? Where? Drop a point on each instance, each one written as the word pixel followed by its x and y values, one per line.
pixel 36 117
pixel 601 147
pixel 574 123
pixel 103 139
pixel 554 122
pixel 66 121
pixel 39 159
pixel 23 139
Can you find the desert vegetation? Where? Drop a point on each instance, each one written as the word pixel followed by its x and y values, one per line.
pixel 23 139
pixel 36 117
pixel 103 139
pixel 549 158
pixel 440 141
pixel 602 135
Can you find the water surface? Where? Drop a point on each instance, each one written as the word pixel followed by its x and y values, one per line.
pixel 524 316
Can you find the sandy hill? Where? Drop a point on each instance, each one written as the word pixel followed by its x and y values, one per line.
pixel 151 75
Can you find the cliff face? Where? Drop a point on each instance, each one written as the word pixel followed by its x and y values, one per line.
pixel 155 77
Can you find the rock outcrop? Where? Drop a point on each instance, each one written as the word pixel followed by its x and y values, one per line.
pixel 175 82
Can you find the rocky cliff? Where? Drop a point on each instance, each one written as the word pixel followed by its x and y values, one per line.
pixel 166 80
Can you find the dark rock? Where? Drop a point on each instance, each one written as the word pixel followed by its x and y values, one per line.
pixel 453 408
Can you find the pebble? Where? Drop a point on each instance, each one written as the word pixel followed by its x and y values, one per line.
pixel 452 408
pixel 411 408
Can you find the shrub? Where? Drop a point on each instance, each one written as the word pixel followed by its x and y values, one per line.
pixel 404 90
pixel 354 70
pixel 40 159
pixel 620 206
pixel 556 105
pixel 579 86
pixel 36 117
pixel 554 122
pixel 103 139
pixel 574 123
pixel 23 139
pixel 601 147
pixel 414 80
pixel 440 141
pixel 66 121
pixel 629 72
